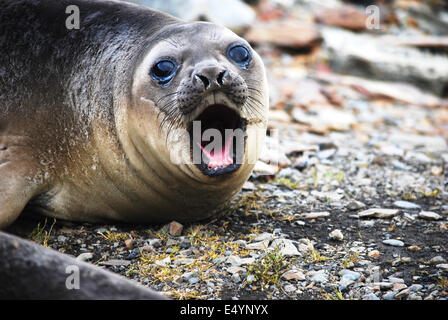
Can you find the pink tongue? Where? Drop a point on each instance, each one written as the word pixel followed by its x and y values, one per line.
pixel 219 158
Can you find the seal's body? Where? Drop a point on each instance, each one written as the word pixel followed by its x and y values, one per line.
pixel 89 117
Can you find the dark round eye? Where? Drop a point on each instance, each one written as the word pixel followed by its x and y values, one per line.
pixel 240 55
pixel 163 71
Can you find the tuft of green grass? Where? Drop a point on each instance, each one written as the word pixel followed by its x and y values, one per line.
pixel 250 203
pixel 285 182
pixel 442 283
pixel 114 236
pixel 335 295
pixel 269 269
pixel 40 235
pixel 350 259
pixel 314 256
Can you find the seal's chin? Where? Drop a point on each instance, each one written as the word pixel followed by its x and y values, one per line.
pixel 222 148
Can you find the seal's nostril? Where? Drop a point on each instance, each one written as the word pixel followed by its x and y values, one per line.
pixel 221 77
pixel 204 80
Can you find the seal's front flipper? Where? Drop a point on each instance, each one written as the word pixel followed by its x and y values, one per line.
pixel 16 189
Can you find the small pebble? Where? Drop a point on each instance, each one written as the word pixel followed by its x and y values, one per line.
pixel 390 295
pixel 414 296
pixel 193 280
pixel 437 260
pixel 262 245
pixel 379 213
pixel 315 215
pixel 318 276
pixel 429 215
pixel 336 235
pixel 293 275
pixel 236 278
pixel 403 293
pixel 370 296
pixel 129 244
pixel 394 242
pixel 406 205
pixel 374 254
pixel 289 288
pixel 163 262
pixel 85 256
pixel 443 266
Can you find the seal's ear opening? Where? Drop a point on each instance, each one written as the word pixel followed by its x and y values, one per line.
pixel 219 143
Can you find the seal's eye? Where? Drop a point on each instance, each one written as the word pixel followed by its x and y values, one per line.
pixel 240 55
pixel 163 71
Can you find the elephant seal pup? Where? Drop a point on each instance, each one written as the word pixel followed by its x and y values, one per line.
pixel 93 121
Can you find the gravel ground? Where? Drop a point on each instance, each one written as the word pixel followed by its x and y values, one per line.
pixel 349 202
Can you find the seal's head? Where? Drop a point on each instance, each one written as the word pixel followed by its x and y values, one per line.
pixel 199 107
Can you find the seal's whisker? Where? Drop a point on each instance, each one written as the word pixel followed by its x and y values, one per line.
pixel 166 96
pixel 250 110
pixel 255 100
pixel 256 91
pixel 255 110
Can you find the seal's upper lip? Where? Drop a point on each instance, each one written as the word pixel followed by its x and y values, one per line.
pixel 225 158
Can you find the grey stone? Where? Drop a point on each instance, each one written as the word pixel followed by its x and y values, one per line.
pixel 293 275
pixel 115 263
pixel 394 242
pixel 406 205
pixel 403 293
pixel 429 215
pixel 355 205
pixel 237 261
pixel 370 296
pixel 264 236
pixel 193 280
pixel 46 270
pixel 416 287
pixel 234 269
pixel 236 278
pixel 443 266
pixel 261 245
pixel 436 260
pixel 336 235
pixel 163 262
pixel 85 256
pixel 183 261
pixel 287 247
pixel 390 295
pixel 62 238
pixel 320 276
pixel 378 213
pixel 414 296
pixel 350 275
pixel 289 288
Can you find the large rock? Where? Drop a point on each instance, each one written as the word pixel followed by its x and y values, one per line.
pixel 284 33
pixel 345 16
pixel 376 57
pixel 30 271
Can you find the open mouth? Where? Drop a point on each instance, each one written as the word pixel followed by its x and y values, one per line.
pixel 218 140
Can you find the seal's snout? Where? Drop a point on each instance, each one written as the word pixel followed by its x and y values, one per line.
pixel 207 79
pixel 210 77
